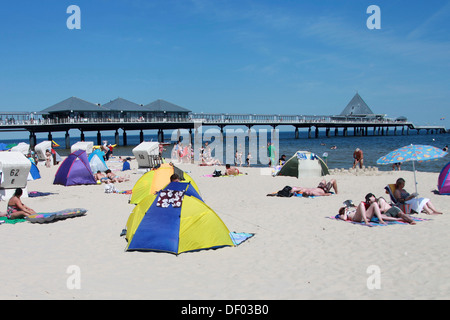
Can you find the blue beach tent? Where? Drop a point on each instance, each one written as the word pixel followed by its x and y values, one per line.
pixel 175 220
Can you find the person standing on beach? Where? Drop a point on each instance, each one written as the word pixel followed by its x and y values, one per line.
pixel 272 153
pixel 358 157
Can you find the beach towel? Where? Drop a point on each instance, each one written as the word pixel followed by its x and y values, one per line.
pixel 33 194
pixel 44 217
pixel 10 221
pixel 239 237
pixel 374 222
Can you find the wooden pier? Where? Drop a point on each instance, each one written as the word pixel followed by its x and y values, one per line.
pixel 332 126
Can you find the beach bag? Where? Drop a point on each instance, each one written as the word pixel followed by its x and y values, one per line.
pixel 285 192
pixel 110 188
pixel 217 173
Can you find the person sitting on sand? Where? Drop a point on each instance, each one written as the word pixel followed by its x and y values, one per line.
pixel 417 204
pixel 99 176
pixel 388 212
pixel 115 178
pixel 231 171
pixel 323 189
pixel 363 213
pixel 16 209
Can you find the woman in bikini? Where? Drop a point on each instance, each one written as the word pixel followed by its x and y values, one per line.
pixel 16 209
pixel 363 213
pixel 115 178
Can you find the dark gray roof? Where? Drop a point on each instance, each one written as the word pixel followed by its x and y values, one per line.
pixel 162 105
pixel 121 104
pixel 356 106
pixel 73 104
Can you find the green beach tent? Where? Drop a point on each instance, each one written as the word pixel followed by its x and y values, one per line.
pixel 304 164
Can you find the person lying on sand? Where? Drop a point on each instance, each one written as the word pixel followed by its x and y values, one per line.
pixel 115 178
pixel 323 189
pixel 388 212
pixel 99 176
pixel 362 213
pixel 231 171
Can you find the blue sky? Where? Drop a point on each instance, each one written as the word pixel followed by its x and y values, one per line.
pixel 246 56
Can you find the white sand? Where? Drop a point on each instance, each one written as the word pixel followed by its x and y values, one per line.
pixel 297 253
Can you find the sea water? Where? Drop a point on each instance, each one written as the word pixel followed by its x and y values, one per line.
pixel 373 146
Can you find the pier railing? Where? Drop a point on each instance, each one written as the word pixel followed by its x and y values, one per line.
pixel 208 118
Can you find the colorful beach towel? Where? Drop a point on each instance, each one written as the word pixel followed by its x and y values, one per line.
pixel 44 217
pixel 374 222
pixel 239 237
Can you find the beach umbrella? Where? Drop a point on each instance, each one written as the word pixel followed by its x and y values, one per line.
pixel 412 153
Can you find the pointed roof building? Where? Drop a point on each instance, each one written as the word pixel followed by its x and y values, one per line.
pixel 121 104
pixel 357 107
pixel 73 104
pixel 162 105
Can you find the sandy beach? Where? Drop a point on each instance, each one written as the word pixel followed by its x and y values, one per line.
pixel 297 251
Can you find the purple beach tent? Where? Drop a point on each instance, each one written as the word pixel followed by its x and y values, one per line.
pixel 444 180
pixel 75 170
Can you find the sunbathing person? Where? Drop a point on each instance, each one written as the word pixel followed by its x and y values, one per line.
pixel 115 178
pixel 323 189
pixel 231 171
pixel 388 212
pixel 16 209
pixel 363 213
pixel 99 176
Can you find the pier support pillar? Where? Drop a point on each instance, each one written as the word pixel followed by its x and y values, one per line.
pixel 345 131
pixel 317 132
pixel 82 135
pixel 141 136
pixel 50 137
pixel 309 133
pixel 395 131
pixel 116 137
pixel 327 132
pixel 124 138
pixel 296 133
pixel 67 138
pixel 336 131
pixel 99 138
pixel 32 140
pixel 160 135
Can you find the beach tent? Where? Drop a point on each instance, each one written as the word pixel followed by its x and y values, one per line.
pixel 155 180
pixel 175 220
pixel 304 164
pixel 34 172
pixel 444 180
pixel 75 170
pixel 96 161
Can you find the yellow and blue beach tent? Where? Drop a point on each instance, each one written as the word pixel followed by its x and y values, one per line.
pixel 155 180
pixel 175 220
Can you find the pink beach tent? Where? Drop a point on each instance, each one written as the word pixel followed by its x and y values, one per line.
pixel 444 180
